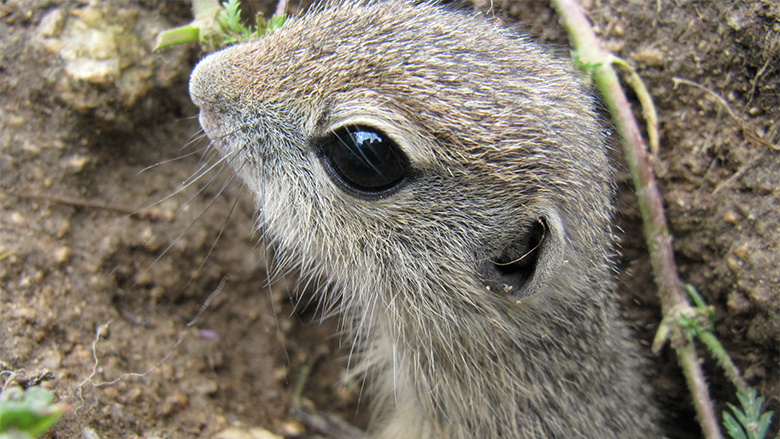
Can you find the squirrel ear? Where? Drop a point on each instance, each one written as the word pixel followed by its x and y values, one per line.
pixel 523 267
pixel 550 254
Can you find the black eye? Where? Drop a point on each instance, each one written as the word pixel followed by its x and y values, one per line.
pixel 364 160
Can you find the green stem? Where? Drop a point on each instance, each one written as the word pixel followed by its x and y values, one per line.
pixel 589 50
pixel 730 369
pixel 689 362
pixel 646 101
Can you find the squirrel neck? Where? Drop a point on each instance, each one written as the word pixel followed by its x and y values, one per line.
pixel 497 368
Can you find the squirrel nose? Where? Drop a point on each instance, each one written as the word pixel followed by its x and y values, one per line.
pixel 211 82
pixel 210 91
pixel 210 121
pixel 202 86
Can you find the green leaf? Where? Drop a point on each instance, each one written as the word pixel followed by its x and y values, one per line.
pixel 230 18
pixel 275 23
pixel 748 422
pixel 741 416
pixel 178 35
pixel 218 25
pixel 763 424
pixel 733 428
pixel 29 412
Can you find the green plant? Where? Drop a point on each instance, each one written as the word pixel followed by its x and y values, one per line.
pixel 219 25
pixel 25 414
pixel 749 422
pixel 682 323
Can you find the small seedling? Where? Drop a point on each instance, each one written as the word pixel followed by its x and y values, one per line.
pixel 749 422
pixel 218 25
pixel 25 414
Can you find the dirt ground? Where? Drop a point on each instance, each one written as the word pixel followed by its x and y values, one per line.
pixel 109 249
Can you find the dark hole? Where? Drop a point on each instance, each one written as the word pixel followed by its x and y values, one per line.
pixel 515 265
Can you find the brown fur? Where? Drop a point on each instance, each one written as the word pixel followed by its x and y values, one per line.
pixel 501 136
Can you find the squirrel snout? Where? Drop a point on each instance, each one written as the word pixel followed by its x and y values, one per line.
pixel 210 90
pixel 201 82
pixel 211 84
pixel 201 93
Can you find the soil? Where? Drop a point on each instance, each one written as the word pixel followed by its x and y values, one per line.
pixel 132 284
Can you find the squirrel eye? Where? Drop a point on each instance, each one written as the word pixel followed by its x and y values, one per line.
pixel 364 160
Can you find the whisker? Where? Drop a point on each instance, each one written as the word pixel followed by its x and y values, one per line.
pixel 222 229
pixel 198 175
pixel 165 162
pixel 181 235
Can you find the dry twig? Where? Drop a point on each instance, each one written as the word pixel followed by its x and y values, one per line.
pixel 726 105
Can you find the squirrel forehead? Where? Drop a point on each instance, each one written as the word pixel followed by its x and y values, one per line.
pixel 392 47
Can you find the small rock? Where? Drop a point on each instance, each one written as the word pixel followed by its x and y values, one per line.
pixel 734 264
pixel 650 56
pixel 52 23
pixel 738 302
pixel 61 255
pixel 89 433
pixel 742 252
pixel 76 163
pixel 252 433
pixel 17 218
pixel 731 217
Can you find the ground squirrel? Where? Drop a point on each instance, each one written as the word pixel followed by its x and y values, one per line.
pixel 450 179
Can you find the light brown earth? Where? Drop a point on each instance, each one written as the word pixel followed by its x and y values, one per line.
pixel 75 262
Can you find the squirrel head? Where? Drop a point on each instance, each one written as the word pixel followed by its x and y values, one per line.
pixel 405 149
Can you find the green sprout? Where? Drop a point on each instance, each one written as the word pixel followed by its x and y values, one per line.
pixel 218 25
pixel 27 414
pixel 748 423
pixel 696 323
